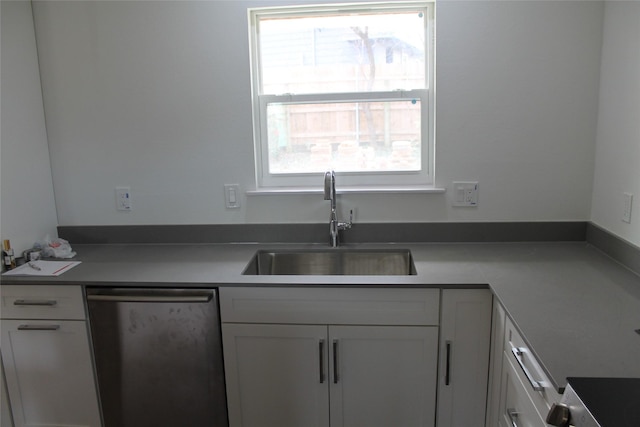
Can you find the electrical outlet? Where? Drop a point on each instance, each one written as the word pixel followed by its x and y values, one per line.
pixel 123 198
pixel 626 208
pixel 465 193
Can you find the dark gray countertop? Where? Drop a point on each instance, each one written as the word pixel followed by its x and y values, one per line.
pixel 576 308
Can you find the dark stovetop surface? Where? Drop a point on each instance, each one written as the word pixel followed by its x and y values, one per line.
pixel 614 402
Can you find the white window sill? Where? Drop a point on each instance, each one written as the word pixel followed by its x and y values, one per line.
pixel 348 190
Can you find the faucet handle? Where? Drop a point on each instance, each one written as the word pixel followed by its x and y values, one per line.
pixel 346 225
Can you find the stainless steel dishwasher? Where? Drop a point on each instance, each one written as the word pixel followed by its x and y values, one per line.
pixel 158 356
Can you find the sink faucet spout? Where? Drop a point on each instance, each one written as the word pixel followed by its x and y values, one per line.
pixel 330 188
pixel 334 225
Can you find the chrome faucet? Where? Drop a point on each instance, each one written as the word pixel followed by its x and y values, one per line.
pixel 334 225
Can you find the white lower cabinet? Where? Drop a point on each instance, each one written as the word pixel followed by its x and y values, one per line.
pixel 521 392
pixel 273 375
pixel 465 337
pixel 46 359
pixel 320 375
pixel 382 376
pixel 307 375
pixel 495 370
pixel 356 357
pixel 516 408
pixel 6 420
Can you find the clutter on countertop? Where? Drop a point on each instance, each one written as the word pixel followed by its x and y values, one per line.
pixel 9 259
pixel 32 262
pixel 56 248
pixel 32 254
pixel 42 268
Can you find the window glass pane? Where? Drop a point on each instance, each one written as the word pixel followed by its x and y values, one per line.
pixel 349 52
pixel 348 137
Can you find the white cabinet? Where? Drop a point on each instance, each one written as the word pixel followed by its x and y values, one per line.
pixel 276 375
pixel 538 386
pixel 46 357
pixel 516 408
pixel 364 306
pixel 6 419
pixel 382 375
pixel 495 371
pixel 294 367
pixel 520 391
pixel 465 334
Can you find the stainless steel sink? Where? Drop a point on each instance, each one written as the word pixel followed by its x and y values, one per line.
pixel 365 262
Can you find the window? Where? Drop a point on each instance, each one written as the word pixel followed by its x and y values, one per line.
pixel 348 87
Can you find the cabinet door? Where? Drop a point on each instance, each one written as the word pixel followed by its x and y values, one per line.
pixel 383 375
pixel 49 373
pixel 5 410
pixel 276 375
pixel 465 341
pixel 495 373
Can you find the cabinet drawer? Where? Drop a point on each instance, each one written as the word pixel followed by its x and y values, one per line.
pixel 42 302
pixel 537 384
pixel 517 408
pixel 369 306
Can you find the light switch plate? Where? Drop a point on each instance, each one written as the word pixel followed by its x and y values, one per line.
pixel 626 208
pixel 232 196
pixel 465 193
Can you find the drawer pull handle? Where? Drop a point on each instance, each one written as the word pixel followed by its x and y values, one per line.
pixel 335 362
pixel 519 354
pixel 321 354
pixel 38 327
pixel 513 417
pixel 38 302
pixel 447 372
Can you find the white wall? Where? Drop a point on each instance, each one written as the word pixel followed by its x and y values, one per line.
pixel 28 209
pixel 155 95
pixel 617 168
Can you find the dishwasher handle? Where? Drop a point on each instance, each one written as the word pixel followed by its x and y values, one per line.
pixel 151 295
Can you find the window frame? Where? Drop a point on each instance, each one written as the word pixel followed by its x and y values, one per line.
pixel 425 178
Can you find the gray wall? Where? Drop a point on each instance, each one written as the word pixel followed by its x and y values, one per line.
pixel 27 209
pixel 155 95
pixel 618 137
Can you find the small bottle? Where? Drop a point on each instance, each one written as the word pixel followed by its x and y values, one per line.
pixel 9 257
